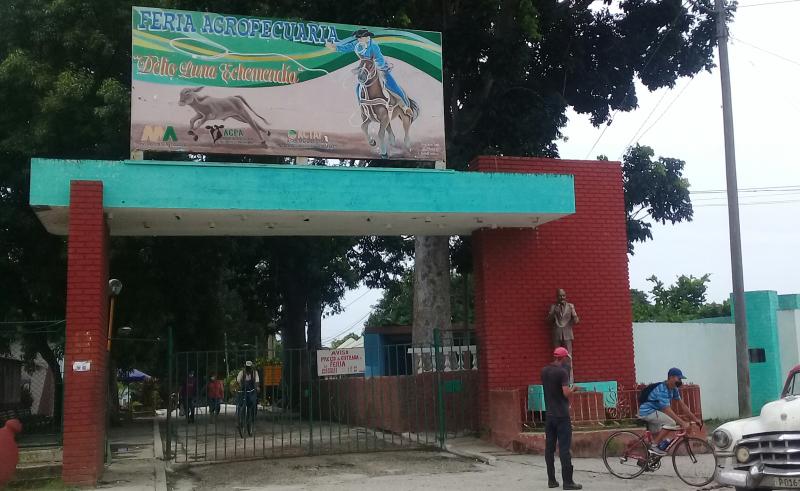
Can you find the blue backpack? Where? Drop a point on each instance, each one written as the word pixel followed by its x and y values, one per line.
pixel 644 395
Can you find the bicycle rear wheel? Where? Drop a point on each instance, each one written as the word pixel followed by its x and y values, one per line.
pixel 694 461
pixel 625 454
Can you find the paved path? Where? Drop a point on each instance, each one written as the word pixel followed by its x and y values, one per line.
pixel 136 458
pixel 475 465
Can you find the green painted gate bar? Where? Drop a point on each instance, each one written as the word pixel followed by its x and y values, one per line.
pixel 180 198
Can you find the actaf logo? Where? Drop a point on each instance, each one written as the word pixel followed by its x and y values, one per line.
pixel 158 134
pixel 308 137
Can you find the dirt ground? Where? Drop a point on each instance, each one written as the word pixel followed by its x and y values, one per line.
pixel 407 470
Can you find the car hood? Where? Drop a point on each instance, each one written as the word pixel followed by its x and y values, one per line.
pixel 776 416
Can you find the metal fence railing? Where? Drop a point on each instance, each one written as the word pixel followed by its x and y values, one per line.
pixel 298 412
pixel 31 390
pixel 599 407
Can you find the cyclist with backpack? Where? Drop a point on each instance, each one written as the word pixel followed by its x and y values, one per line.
pixel 655 409
pixel 249 383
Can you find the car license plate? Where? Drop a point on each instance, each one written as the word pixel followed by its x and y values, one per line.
pixel 786 482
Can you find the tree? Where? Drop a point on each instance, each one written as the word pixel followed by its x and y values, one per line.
pixel 396 304
pixel 511 69
pixel 682 301
pixel 655 189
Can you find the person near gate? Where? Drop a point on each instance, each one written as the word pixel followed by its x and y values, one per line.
pixel 558 427
pixel 215 393
pixel 249 384
pixel 188 395
pixel 562 318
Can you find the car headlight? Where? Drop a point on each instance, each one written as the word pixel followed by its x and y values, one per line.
pixel 742 454
pixel 722 439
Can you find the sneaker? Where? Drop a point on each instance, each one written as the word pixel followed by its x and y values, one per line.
pixel 654 449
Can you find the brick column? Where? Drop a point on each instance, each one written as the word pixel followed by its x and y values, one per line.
pixel 87 317
pixel 517 272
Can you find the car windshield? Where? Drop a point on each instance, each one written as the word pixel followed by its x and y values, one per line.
pixel 793 385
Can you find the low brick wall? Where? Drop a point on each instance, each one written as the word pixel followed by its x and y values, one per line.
pixel 401 404
pixel 507 409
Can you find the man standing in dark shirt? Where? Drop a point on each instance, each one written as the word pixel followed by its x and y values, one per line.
pixel 558 428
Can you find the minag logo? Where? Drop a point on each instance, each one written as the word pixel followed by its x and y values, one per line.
pixel 157 134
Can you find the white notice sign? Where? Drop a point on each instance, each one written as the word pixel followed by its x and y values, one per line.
pixel 81 366
pixel 340 361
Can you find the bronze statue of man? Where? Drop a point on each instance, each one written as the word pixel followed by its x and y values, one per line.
pixel 562 318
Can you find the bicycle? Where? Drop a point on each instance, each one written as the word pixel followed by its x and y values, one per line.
pixel 627 455
pixel 246 411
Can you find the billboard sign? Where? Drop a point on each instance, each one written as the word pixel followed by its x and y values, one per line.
pixel 213 83
pixel 340 361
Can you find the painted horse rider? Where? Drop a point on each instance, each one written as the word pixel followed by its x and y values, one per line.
pixel 366 49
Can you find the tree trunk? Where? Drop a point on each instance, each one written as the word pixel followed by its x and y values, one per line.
pixel 314 309
pixel 431 289
pixel 294 342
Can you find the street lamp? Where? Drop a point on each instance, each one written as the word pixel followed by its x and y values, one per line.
pixel 114 288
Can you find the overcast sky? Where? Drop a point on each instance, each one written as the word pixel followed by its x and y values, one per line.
pixel 686 122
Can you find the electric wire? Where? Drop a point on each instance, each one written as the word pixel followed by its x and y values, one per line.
pixel 644 67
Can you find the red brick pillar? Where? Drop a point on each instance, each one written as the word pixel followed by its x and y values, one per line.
pixel 87 324
pixel 517 272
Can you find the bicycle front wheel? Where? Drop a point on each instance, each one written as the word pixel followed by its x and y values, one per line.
pixel 694 461
pixel 625 454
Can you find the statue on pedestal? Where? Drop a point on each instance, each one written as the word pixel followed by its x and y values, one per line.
pixel 562 318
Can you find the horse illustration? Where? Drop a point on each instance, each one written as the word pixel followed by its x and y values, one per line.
pixel 381 106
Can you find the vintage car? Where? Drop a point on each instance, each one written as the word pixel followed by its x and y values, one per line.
pixel 763 452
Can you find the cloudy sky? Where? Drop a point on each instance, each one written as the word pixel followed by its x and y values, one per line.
pixel 686 122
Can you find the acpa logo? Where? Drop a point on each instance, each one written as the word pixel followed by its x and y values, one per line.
pixel 158 134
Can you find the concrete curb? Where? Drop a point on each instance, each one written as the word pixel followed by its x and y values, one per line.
pixel 159 465
pixel 469 454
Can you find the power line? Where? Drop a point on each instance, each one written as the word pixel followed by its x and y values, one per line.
pixel 644 67
pixel 750 190
pixel 666 110
pixel 357 299
pixel 652 111
pixel 777 202
pixel 776 55
pixel 765 3
pixel 348 329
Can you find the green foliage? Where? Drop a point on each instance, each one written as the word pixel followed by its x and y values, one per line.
pixel 511 69
pixel 396 305
pixel 685 300
pixel 654 189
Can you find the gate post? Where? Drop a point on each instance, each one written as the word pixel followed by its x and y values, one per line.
pixel 86 357
pixel 437 363
pixel 170 382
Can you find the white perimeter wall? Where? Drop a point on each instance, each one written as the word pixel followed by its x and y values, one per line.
pixel 789 331
pixel 706 353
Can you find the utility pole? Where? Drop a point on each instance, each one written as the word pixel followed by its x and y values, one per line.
pixel 742 356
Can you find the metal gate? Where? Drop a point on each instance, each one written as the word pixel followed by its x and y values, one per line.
pixel 423 396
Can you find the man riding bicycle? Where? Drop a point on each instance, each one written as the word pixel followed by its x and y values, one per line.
pixel 249 383
pixel 658 414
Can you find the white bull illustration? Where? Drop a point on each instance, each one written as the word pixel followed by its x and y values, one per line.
pixel 221 108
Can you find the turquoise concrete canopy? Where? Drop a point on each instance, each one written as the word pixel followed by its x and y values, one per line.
pixel 185 198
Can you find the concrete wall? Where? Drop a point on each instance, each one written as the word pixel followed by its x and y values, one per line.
pixel 789 331
pixel 766 378
pixel 705 352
